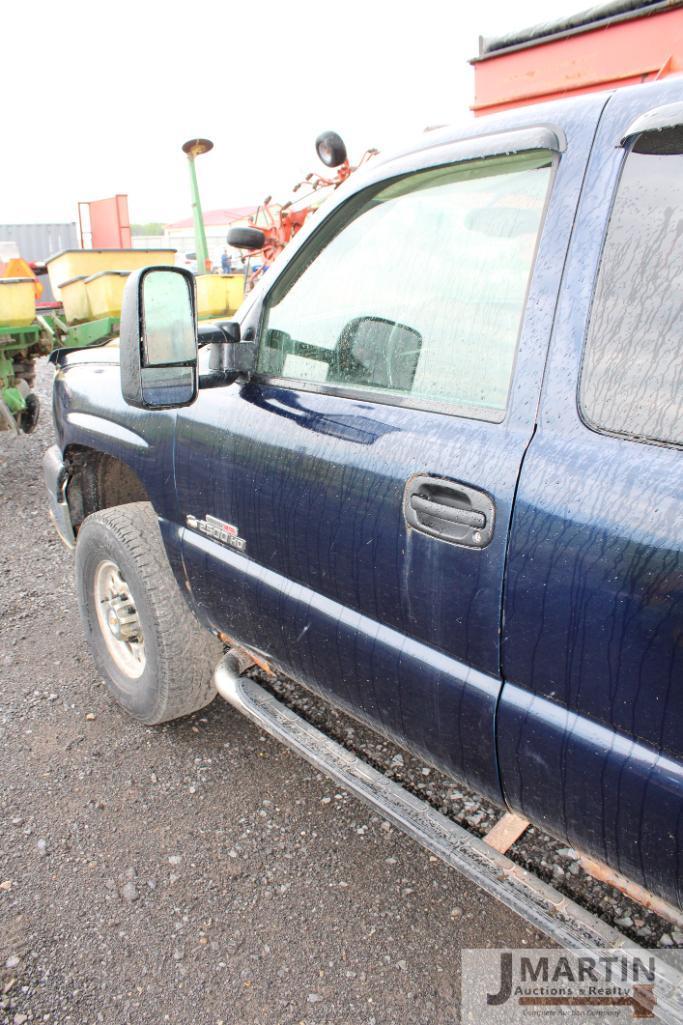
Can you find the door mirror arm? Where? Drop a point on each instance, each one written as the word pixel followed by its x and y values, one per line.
pixel 230 357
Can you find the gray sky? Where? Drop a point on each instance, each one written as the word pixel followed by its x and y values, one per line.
pixel 98 98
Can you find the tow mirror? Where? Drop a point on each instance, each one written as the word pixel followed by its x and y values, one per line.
pixel 159 339
pixel 379 352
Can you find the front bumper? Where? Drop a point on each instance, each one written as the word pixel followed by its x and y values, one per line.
pixel 56 480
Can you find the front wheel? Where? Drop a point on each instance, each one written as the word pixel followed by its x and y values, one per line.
pixel 154 656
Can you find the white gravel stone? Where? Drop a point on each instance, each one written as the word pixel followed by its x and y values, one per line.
pixel 129 892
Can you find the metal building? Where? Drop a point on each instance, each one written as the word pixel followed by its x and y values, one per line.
pixel 38 241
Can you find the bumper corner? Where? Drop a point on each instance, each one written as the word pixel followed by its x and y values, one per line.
pixel 56 480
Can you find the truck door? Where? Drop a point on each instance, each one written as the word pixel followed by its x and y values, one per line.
pixel 591 717
pixel 347 510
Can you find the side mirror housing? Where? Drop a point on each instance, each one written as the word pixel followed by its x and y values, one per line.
pixel 158 339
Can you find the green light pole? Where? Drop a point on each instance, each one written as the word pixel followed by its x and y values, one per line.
pixel 194 148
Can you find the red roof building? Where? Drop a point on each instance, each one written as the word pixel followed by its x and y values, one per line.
pixel 216 218
pixel 180 234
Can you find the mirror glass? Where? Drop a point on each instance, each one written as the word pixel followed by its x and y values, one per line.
pixel 169 334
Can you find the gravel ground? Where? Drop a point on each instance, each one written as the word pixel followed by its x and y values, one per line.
pixel 199 872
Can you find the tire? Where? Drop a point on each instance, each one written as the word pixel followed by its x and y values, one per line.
pixel 28 418
pixel 155 658
pixel 246 238
pixel 331 149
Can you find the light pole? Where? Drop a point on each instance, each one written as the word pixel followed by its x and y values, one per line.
pixel 194 148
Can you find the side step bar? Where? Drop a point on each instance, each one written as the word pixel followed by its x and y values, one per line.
pixel 559 917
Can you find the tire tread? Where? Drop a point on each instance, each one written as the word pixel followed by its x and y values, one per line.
pixel 187 652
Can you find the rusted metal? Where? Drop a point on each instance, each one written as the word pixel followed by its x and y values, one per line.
pixel 506 830
pixel 603 874
pixel 261 663
pixel 196 147
pixel 246 657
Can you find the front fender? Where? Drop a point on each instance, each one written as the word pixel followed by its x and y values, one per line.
pixel 90 413
pixel 91 416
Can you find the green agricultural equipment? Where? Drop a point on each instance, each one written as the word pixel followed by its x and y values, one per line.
pixel 20 347
pixel 88 288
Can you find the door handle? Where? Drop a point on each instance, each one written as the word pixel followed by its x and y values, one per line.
pixel 449 510
pixel 449 513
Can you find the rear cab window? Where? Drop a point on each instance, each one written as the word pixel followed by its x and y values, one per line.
pixel 632 375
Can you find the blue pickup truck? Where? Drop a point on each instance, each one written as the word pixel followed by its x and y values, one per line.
pixel 432 470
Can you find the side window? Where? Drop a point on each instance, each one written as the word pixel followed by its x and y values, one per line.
pixel 632 377
pixel 417 294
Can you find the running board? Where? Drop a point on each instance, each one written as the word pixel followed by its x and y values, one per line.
pixel 536 902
